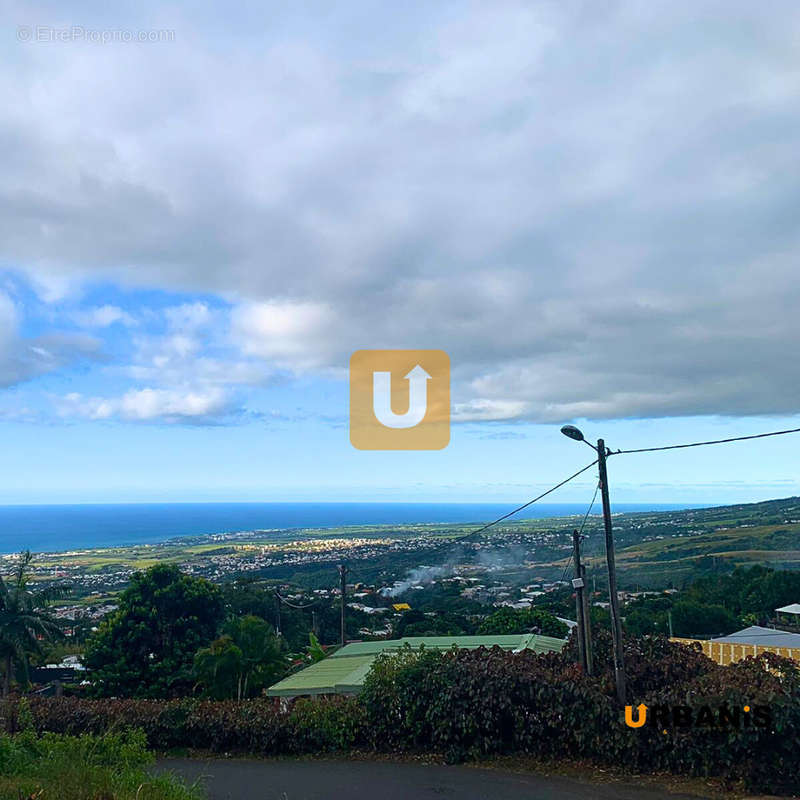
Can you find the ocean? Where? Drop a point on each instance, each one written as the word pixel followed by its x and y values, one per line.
pixel 54 528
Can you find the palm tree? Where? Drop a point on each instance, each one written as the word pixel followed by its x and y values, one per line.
pixel 23 619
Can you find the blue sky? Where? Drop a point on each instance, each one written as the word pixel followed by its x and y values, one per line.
pixel 594 215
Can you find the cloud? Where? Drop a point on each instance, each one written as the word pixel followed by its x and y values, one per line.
pixel 102 317
pixel 150 405
pixel 195 347
pixel 287 333
pixel 24 358
pixel 593 213
pixel 487 410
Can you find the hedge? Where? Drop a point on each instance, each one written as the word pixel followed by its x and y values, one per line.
pixel 472 704
pixel 252 726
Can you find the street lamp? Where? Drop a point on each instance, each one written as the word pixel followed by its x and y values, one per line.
pixel 575 433
pixel 616 623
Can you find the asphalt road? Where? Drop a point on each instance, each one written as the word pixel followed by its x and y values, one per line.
pixel 244 779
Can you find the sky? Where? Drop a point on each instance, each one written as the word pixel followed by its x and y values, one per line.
pixel 205 210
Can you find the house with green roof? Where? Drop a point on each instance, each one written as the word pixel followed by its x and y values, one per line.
pixel 344 671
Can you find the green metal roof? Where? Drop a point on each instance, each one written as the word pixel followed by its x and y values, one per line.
pixel 344 671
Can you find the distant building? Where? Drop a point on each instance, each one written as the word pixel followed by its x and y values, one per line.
pixel 792 610
pixel 401 606
pixel 750 641
pixel 762 637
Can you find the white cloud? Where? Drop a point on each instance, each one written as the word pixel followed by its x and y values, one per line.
pixel 291 334
pixel 150 405
pixel 23 358
pixel 194 349
pixel 481 410
pixel 593 213
pixel 102 317
pixel 189 317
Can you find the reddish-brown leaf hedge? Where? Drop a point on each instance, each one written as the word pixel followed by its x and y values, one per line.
pixel 468 704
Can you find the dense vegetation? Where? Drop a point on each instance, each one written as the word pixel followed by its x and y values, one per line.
pixel 716 604
pixel 474 704
pixel 24 621
pixel 520 620
pixel 146 648
pixel 53 766
pixel 175 635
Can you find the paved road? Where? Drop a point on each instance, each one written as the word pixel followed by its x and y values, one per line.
pixel 242 779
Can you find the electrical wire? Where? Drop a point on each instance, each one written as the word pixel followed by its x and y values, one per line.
pixel 591 506
pixel 529 503
pixel 585 517
pixel 293 605
pixel 701 444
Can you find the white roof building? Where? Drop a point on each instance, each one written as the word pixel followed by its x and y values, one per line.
pixel 794 608
pixel 766 637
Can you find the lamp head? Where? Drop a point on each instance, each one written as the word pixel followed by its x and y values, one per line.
pixel 572 432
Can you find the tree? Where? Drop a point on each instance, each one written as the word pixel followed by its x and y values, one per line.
pixel 246 658
pixel 315 652
pixel 23 620
pixel 262 653
pixel 690 618
pixel 218 667
pixel 146 647
pixel 512 620
pixel 441 624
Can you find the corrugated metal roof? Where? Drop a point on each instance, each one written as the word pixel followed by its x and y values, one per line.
pixel 766 637
pixel 344 671
pixel 329 676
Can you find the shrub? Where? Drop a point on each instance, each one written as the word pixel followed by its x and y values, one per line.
pixel 323 725
pixel 252 726
pixel 57 767
pixel 764 758
pixel 651 662
pixel 474 703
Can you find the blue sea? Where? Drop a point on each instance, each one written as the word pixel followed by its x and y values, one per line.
pixel 54 528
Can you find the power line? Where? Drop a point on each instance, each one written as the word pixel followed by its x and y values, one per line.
pixel 591 506
pixel 585 517
pixel 701 444
pixel 293 605
pixel 530 502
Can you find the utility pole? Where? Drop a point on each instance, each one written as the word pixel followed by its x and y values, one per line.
pixel 669 619
pixel 343 587
pixel 587 625
pixel 578 585
pixel 277 613
pixel 582 607
pixel 616 622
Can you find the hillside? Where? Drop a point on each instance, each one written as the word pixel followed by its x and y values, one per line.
pixel 714 540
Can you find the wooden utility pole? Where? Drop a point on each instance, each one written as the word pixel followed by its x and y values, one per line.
pixel 343 587
pixel 587 625
pixel 577 584
pixel 582 607
pixel 616 621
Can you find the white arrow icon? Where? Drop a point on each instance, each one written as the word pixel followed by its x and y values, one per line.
pixel 417 398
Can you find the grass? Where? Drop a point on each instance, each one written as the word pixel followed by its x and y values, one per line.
pixel 109 767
